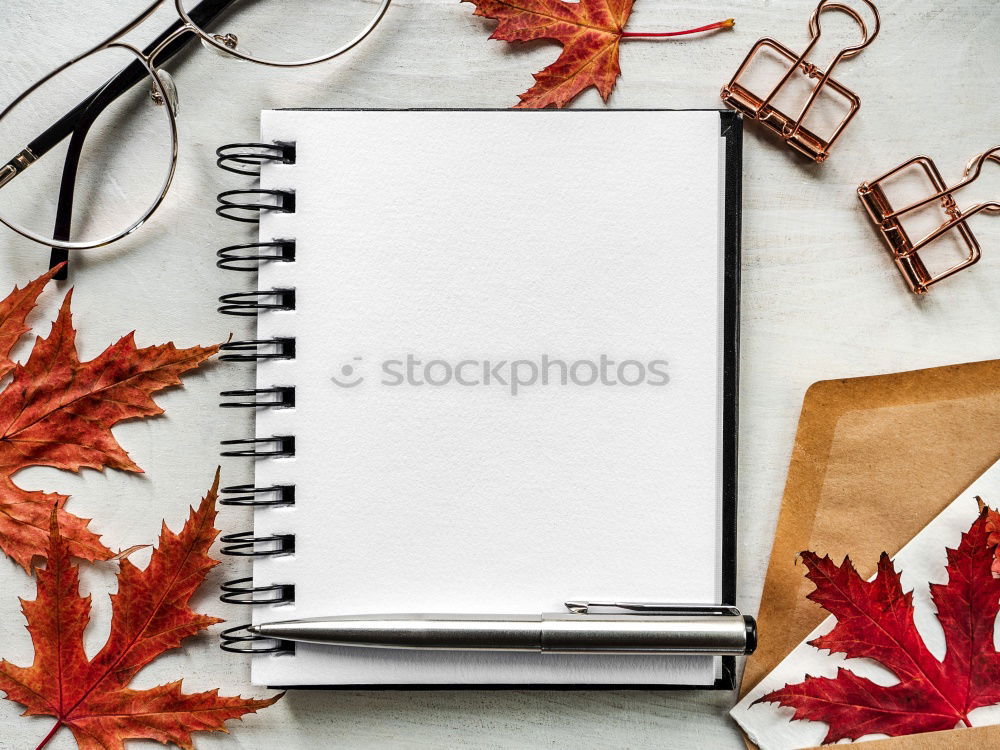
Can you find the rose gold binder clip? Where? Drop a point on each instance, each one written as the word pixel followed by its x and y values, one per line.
pixel 904 250
pixel 792 130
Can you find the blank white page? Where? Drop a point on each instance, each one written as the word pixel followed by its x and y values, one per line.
pixel 440 256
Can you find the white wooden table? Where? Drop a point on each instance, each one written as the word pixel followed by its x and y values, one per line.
pixel 820 300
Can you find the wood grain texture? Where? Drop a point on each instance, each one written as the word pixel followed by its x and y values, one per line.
pixel 820 300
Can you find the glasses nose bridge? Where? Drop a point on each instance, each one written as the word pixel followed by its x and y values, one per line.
pixel 117 37
pixel 185 27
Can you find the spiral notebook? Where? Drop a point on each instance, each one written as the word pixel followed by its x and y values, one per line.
pixel 496 362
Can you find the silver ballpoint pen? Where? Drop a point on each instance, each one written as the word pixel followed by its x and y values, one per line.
pixel 585 628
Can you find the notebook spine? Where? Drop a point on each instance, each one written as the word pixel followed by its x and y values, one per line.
pixel 246 206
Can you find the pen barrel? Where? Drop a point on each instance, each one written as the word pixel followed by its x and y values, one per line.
pixel 718 635
pixel 680 634
pixel 433 632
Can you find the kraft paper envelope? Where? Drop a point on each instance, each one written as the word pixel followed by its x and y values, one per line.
pixel 875 459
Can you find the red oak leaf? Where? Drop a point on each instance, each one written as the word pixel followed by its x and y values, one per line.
pixel 875 621
pixel 151 613
pixel 590 32
pixel 58 411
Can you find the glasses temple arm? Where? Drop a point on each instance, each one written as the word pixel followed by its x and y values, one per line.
pixel 131 75
pixel 64 206
pixel 79 120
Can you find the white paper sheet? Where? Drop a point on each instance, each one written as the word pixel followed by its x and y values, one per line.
pixel 921 562
pixel 499 237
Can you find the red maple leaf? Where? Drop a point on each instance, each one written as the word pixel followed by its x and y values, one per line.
pixel 150 614
pixel 58 411
pixel 590 32
pixel 993 529
pixel 875 621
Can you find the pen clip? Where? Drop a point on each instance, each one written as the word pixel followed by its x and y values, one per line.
pixel 581 607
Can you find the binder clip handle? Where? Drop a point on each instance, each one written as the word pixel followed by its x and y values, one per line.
pixel 975 168
pixel 792 129
pixel 891 222
pixel 811 137
pixel 815 29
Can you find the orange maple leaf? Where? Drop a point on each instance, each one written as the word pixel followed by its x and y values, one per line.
pixel 58 411
pixel 590 32
pixel 151 613
pixel 13 312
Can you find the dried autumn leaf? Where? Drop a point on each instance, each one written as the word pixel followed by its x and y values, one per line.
pixel 875 621
pixel 590 32
pixel 151 614
pixel 13 312
pixel 58 411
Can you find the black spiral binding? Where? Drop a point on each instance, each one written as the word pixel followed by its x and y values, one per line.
pixel 249 256
pixel 242 591
pixel 246 158
pixel 278 446
pixel 252 303
pixel 279 397
pixel 254 350
pixel 248 495
pixel 245 544
pixel 239 640
pixel 246 206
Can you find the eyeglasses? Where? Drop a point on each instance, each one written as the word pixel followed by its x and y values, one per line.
pixel 113 155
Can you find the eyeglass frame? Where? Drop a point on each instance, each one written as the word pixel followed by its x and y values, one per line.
pixel 168 44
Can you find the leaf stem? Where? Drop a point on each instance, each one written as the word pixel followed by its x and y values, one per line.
pixel 720 26
pixel 50 735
